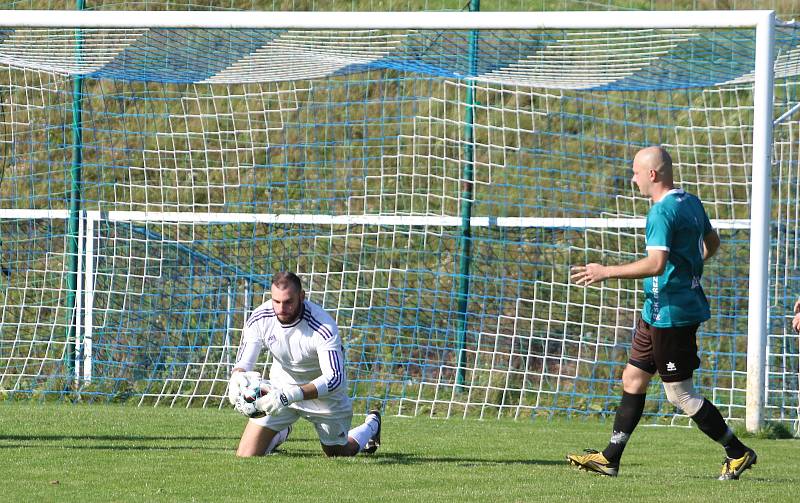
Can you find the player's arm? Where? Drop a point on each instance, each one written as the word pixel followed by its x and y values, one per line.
pixel 652 265
pixel 330 379
pixel 711 244
pixel 710 238
pixel 246 358
pixel 658 237
pixel 280 397
pixel 312 390
pixel 309 391
pixel 331 362
pixel 249 349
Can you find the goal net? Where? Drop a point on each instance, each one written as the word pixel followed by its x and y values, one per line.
pixel 431 187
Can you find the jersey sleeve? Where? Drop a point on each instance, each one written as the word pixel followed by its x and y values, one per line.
pixel 249 348
pixel 658 230
pixel 331 360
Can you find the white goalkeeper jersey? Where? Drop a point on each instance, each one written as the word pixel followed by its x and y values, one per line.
pixel 308 350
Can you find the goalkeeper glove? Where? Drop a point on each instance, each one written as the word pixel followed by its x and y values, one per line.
pixel 279 398
pixel 239 382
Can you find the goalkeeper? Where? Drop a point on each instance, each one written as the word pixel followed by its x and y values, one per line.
pixel 679 239
pixel 307 377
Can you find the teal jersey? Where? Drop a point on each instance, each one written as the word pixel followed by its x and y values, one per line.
pixel 677 225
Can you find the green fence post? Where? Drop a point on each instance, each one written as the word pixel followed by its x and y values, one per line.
pixel 73 224
pixel 467 195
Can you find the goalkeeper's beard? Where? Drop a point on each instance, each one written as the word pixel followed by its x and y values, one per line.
pixel 288 320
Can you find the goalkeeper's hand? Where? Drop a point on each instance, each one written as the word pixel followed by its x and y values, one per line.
pixel 239 382
pixel 279 398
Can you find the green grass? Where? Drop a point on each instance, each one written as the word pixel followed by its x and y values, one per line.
pixel 58 452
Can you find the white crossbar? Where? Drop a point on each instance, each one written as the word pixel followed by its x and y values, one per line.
pixel 383 20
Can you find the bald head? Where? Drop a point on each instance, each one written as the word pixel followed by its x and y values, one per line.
pixel 657 159
pixel 652 171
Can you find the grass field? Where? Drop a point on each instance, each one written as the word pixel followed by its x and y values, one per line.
pixel 108 453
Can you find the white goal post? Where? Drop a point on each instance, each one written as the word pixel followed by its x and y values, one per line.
pixel 762 21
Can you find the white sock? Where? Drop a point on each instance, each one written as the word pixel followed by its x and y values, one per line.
pixel 277 440
pixel 364 432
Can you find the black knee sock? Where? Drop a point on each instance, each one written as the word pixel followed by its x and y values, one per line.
pixel 628 414
pixel 710 422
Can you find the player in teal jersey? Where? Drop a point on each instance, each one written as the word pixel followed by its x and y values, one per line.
pixel 679 239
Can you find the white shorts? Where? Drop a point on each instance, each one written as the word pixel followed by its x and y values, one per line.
pixel 331 417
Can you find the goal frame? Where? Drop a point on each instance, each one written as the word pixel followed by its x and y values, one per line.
pixel 763 21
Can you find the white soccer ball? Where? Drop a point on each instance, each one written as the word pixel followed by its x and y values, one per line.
pixel 255 390
pixel 247 403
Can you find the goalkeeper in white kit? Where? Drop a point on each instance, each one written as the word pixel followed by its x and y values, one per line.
pixel 307 377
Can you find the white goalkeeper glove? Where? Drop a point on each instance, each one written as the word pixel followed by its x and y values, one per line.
pixel 239 382
pixel 279 398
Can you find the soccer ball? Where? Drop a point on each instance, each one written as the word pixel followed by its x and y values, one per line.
pixel 245 403
pixel 255 389
pixel 240 382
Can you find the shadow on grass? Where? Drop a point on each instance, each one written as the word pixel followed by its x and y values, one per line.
pixel 295 448
pixel 397 458
pixel 292 448
pixel 132 438
pixel 123 442
pixel 90 447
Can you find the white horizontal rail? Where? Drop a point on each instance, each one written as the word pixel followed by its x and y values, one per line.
pixel 33 214
pixel 377 220
pixel 382 20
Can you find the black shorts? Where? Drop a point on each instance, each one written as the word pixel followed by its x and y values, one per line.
pixel 672 352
